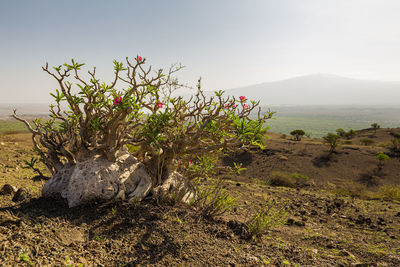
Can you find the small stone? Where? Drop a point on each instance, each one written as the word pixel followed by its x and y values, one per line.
pixel 20 195
pixel 8 189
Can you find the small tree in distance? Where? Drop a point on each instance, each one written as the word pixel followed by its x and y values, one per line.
pixel 297 134
pixel 333 141
pixel 375 126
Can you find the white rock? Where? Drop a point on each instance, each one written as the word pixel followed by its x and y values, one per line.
pixel 176 181
pixel 95 177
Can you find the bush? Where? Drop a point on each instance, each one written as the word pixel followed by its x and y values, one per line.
pixel 366 141
pixel 395 145
pixel 162 131
pixel 389 192
pixel 347 142
pixel 332 140
pixel 297 134
pixel 395 135
pixel 350 134
pixel 277 178
pixel 375 126
pixel 266 218
pixel 212 200
pixel 341 132
pixel 381 157
pixel 351 189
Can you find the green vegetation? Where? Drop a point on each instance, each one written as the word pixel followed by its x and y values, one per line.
pixel 213 200
pixel 297 134
pixel 395 144
pixel 278 178
pixel 12 127
pixel 382 157
pixel 269 216
pixel 332 140
pixel 389 192
pixel 375 126
pixel 320 120
pixel 366 141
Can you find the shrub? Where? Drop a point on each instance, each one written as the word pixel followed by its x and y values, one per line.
pixel 266 218
pixel 351 189
pixel 395 135
pixel 381 157
pixel 350 134
pixel 332 140
pixel 163 132
pixel 299 176
pixel 213 200
pixel 341 132
pixel 297 134
pixel 395 145
pixel 347 142
pixel 366 141
pixel 283 136
pixel 277 178
pixel 375 126
pixel 389 192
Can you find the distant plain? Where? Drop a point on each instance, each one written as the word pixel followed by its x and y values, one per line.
pixel 316 121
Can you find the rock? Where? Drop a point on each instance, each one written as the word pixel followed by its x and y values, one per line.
pixel 8 189
pixel 175 181
pixel 68 236
pixel 94 177
pixel 6 218
pixel 20 195
pixel 293 221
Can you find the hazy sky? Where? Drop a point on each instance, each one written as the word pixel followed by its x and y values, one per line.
pixel 230 43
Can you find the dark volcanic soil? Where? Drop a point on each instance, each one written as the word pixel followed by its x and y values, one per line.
pixel 324 228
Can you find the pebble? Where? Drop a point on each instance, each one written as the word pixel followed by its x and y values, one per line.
pixel 8 189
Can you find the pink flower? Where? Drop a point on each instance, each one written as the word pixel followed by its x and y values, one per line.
pixel 117 100
pixel 139 58
pixel 246 106
pixel 226 106
pixel 159 105
pixel 242 98
pixel 190 162
pixel 233 106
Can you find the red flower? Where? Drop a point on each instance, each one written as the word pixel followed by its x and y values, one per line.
pixel 246 106
pixel 117 100
pixel 233 106
pixel 242 98
pixel 159 105
pixel 139 58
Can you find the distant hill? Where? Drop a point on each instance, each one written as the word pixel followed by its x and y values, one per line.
pixel 322 89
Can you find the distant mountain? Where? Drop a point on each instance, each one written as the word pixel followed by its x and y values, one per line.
pixel 322 89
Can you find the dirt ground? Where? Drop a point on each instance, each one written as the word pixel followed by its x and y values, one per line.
pixel 325 227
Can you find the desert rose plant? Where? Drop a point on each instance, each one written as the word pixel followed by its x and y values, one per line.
pixel 137 110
